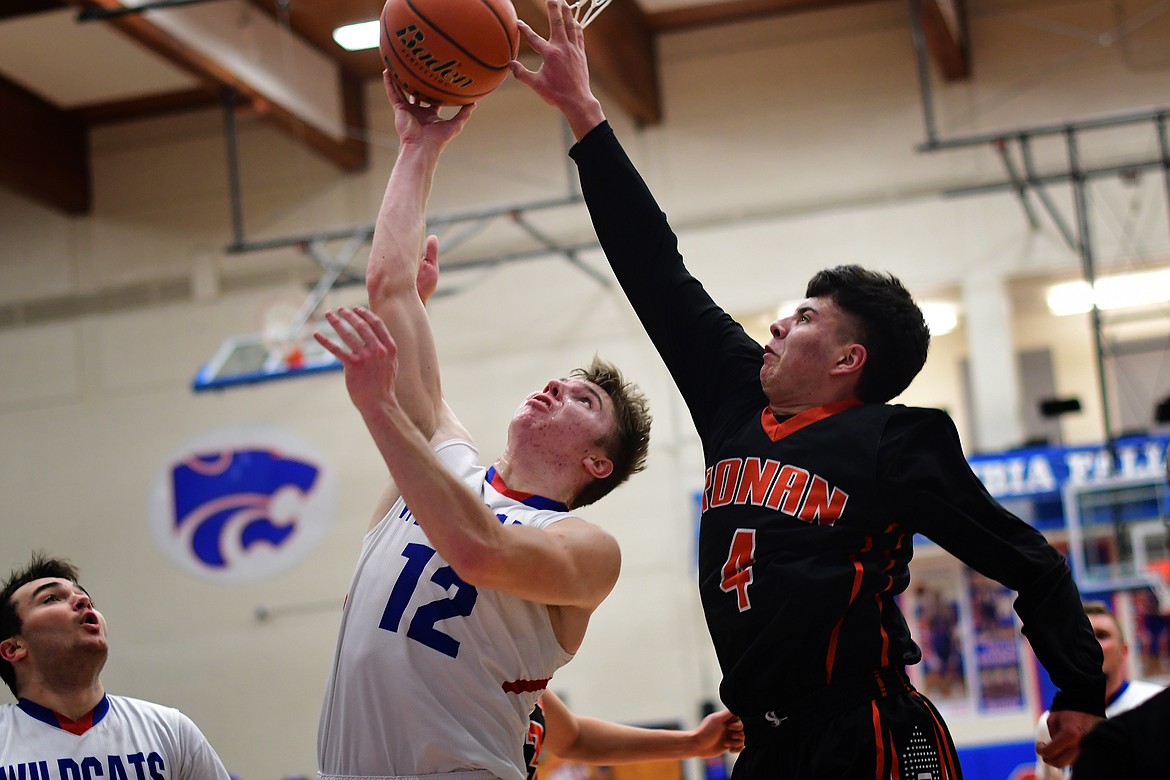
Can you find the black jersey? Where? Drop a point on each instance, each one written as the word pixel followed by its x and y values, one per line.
pixel 807 522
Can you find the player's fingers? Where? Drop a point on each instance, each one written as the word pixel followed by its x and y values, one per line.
pixel 574 33
pixel 462 115
pixel 375 325
pixel 333 349
pixel 392 90
pixel 556 20
pixel 349 328
pixel 568 21
pixel 538 44
pixel 522 74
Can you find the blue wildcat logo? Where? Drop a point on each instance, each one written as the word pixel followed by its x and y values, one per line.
pixel 242 504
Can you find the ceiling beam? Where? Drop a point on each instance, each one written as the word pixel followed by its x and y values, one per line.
pixel 623 60
pixel 110 112
pixel 10 9
pixel 689 17
pixel 349 154
pixel 44 153
pixel 944 26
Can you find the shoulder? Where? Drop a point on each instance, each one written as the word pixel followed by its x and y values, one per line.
pixel 1141 690
pixel 148 714
pixel 582 529
pixel 915 423
pixel 602 546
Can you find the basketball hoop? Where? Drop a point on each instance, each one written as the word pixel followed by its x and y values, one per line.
pixel 585 11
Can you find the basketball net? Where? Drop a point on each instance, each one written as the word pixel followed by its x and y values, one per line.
pixel 585 11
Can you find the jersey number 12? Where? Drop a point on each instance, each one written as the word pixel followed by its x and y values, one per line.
pixel 422 624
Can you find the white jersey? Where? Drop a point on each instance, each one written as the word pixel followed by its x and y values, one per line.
pixel 431 675
pixel 122 738
pixel 1131 694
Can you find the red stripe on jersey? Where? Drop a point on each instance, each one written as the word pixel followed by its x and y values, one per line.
pixel 525 686
pixel 777 430
pixel 78 727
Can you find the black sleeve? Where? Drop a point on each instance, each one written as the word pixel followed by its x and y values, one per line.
pixel 1133 744
pixel 926 476
pixel 708 354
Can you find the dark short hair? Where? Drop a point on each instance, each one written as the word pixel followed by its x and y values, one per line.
pixel 627 445
pixel 889 325
pixel 39 567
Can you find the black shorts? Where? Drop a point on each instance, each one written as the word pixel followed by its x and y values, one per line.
pixel 898 735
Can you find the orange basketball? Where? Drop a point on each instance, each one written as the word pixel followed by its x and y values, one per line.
pixel 448 52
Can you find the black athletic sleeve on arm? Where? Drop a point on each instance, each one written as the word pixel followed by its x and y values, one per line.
pixel 1133 744
pixel 926 476
pixel 708 354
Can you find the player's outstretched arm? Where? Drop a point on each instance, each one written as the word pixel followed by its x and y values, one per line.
pixel 398 245
pixel 594 741
pixel 572 563
pixel 562 80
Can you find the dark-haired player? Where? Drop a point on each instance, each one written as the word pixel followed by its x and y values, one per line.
pixel 815 487
pixel 64 726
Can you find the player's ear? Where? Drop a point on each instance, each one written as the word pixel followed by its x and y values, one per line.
pixel 852 359
pixel 12 649
pixel 598 466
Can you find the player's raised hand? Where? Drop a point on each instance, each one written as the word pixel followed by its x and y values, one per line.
pixel 367 353
pixel 562 80
pixel 415 122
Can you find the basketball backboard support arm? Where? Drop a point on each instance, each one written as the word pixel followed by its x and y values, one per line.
pixel 252 358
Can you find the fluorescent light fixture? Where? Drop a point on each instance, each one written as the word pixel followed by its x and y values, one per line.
pixel 1144 288
pixel 941 317
pixel 357 36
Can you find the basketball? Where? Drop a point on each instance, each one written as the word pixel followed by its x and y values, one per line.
pixel 448 52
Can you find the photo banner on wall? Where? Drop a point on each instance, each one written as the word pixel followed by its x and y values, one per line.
pixel 242 504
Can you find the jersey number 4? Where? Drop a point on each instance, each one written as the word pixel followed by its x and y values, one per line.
pixel 737 569
pixel 422 624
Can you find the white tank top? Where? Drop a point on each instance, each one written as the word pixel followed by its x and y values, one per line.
pixel 431 675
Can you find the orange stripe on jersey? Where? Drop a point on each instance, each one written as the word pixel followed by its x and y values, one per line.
pixel 885 657
pixel 831 655
pixel 879 744
pixel 942 743
pixel 778 430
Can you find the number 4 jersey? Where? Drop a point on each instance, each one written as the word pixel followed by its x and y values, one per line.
pixel 431 675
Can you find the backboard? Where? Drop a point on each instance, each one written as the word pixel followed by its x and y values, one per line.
pixel 1119 534
pixel 252 358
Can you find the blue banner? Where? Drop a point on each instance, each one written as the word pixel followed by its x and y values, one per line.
pixel 1031 481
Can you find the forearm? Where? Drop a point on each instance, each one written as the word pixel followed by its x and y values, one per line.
pixel 401 224
pixel 456 522
pixel 602 742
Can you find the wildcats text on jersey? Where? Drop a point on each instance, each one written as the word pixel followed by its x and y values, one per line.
pixel 778 486
pixel 136 766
